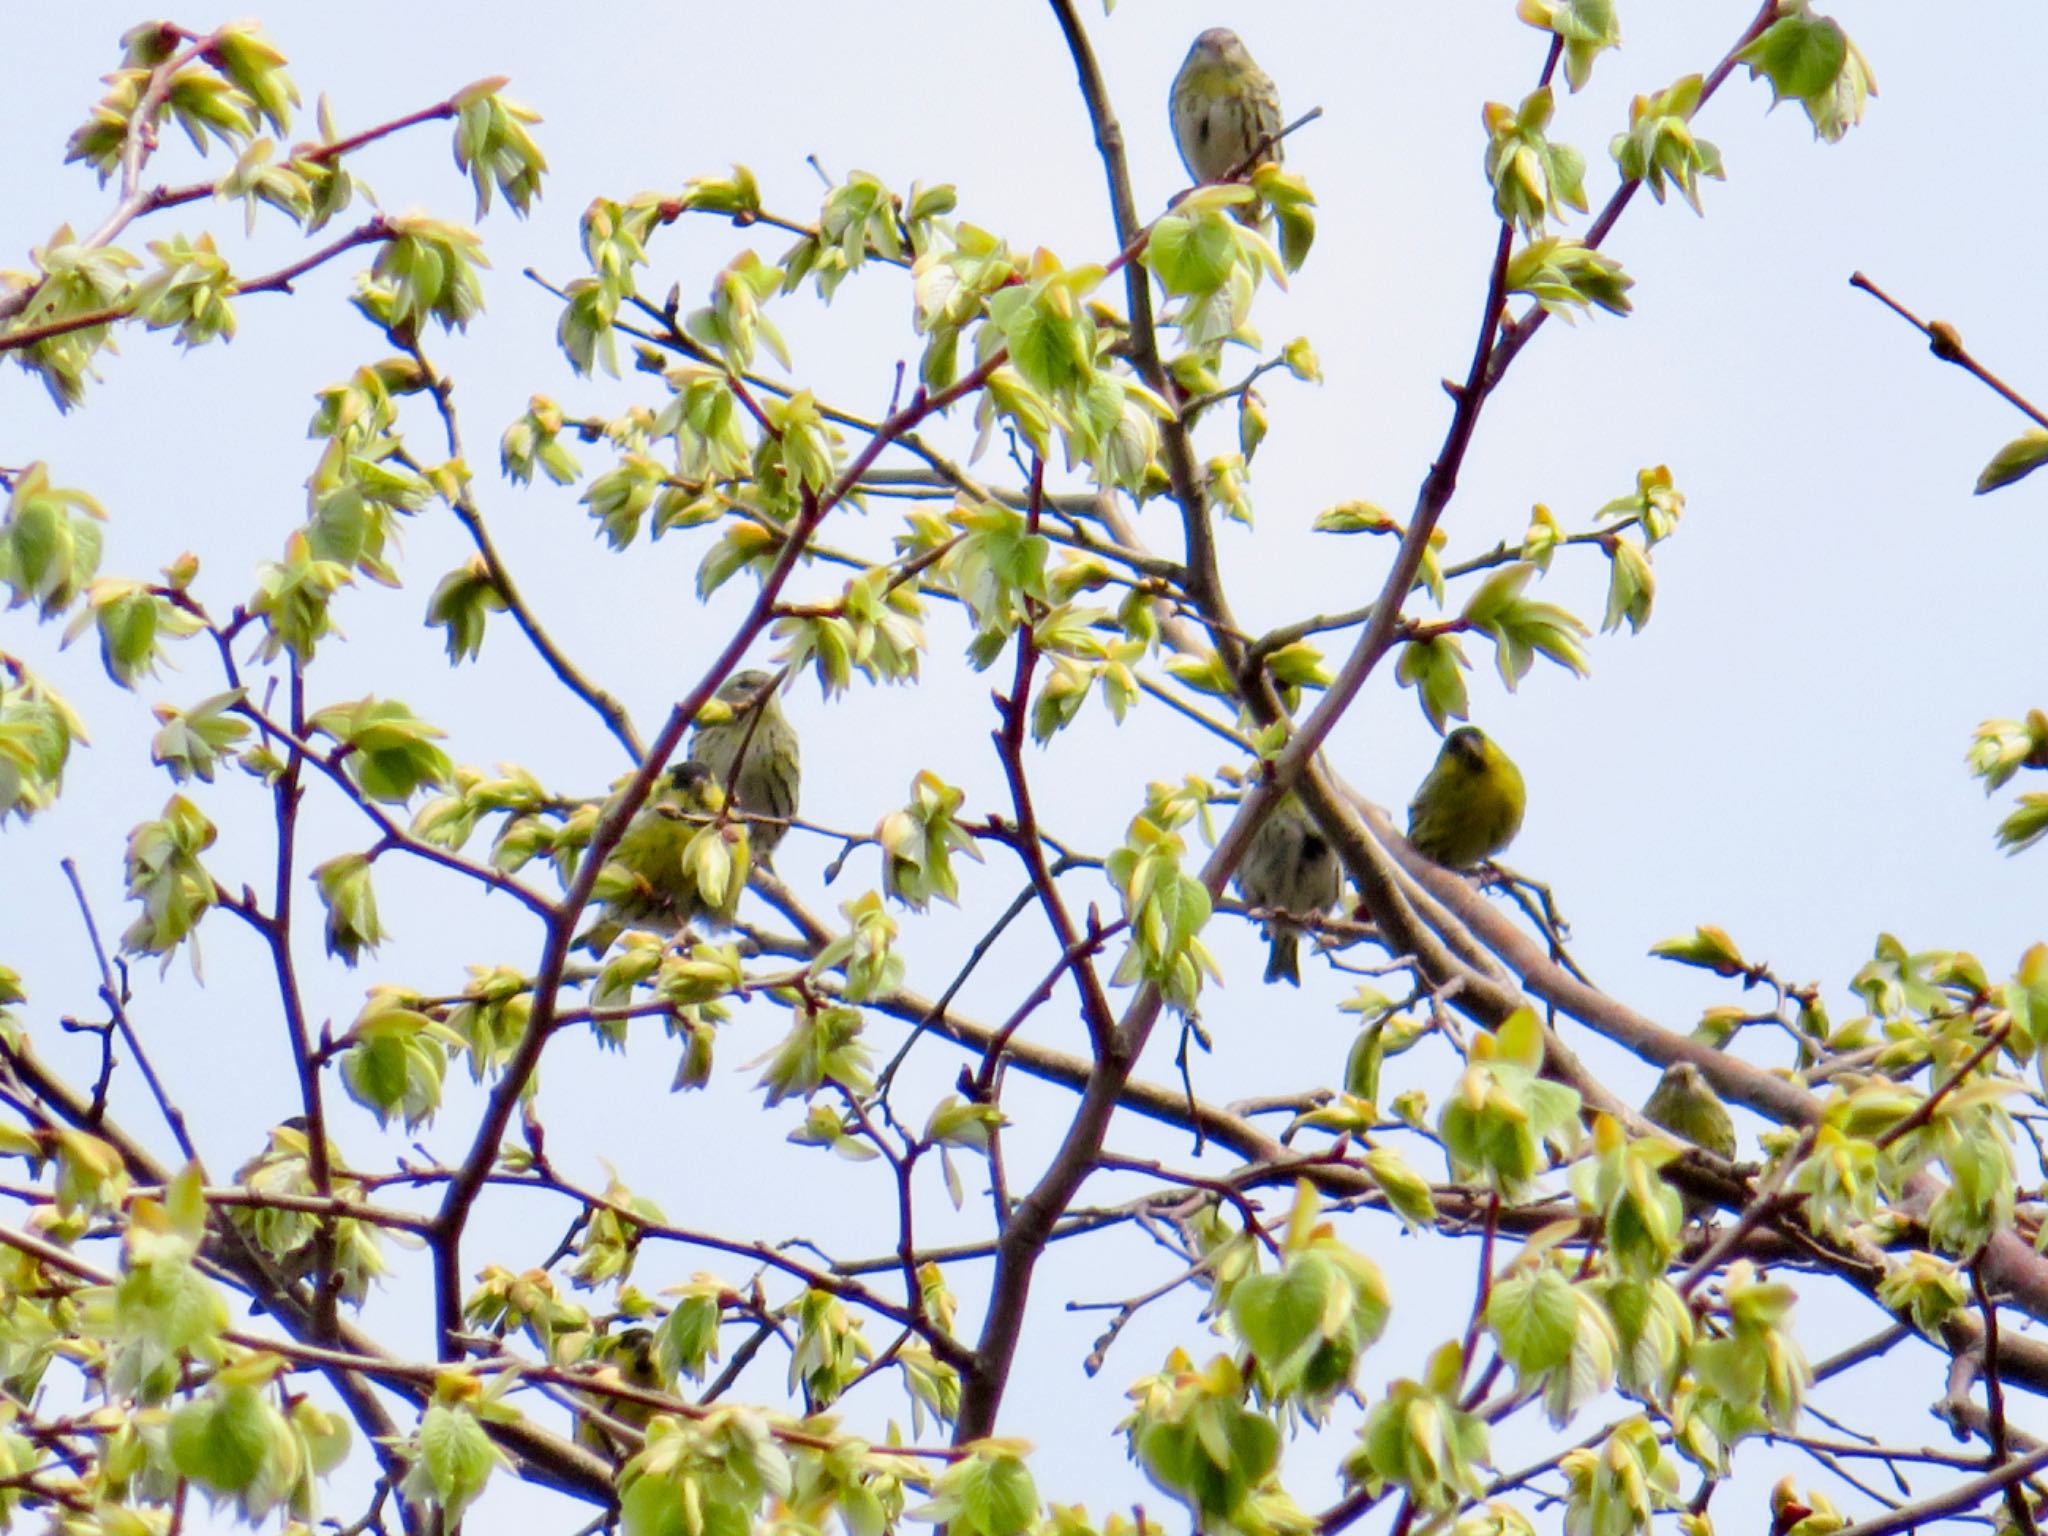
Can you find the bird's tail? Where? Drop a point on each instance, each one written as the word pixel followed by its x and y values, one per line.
pixel 1283 957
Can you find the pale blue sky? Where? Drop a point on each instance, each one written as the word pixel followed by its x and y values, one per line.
pixel 1780 752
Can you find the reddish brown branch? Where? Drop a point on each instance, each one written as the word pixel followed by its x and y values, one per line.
pixel 1948 346
pixel 511 1087
pixel 370 232
pixel 1517 335
pixel 1204 582
pixel 286 794
pixel 470 515
pixel 114 995
pixel 2016 1504
pixel 1095 1008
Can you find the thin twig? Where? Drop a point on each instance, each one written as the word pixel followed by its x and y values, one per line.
pixel 1946 344
pixel 371 232
pixel 608 708
pixel 462 1191
pixel 1931 1510
pixel 116 999
pixel 2016 1504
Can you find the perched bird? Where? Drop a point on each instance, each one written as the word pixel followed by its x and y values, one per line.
pixel 654 878
pixel 1222 105
pixel 1288 868
pixel 629 1357
pixel 757 736
pixel 1685 1104
pixel 1469 806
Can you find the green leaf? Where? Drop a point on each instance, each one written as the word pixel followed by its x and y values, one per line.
pixel 1502 1114
pixel 1532 178
pixel 166 875
pixel 1419 1439
pixel 918 843
pixel 191 289
pixel 1586 27
pixel 1660 148
pixel 2015 461
pixel 1706 947
pixel 426 270
pixel 1811 59
pixel 1293 211
pixel 232 1441
pixel 2001 748
pixel 1655 507
pixel 1522 628
pixel 1355 517
pixel 1435 668
pixel 460 605
pixel 1564 275
pixel 1618 1487
pixel 351 903
pixel 1631 587
pixel 1925 1287
pixel 239 51
pixel 391 754
pixel 1195 1438
pixel 493 146
pixel 1407 1192
pixel 132 622
pixel 866 952
pixel 455 1460
pixel 398 1060
pixel 203 103
pixel 1800 53
pixel 49 542
pixel 988 1492
pixel 294 596
pixel 1535 1318
pixel 37 729
pixel 823 1045
pixel 1276 1315
pixel 2026 826
pixel 1212 264
pixel 1298 665
pixel 738 195
pixel 1167 908
pixel 1047 333
pixel 1192 253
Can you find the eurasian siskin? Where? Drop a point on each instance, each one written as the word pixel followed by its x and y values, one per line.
pixel 630 1357
pixel 1469 806
pixel 1685 1104
pixel 758 736
pixel 1288 868
pixel 1223 105
pixel 678 859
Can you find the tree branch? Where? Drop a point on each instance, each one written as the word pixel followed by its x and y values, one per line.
pixel 371 232
pixel 608 708
pixel 511 1087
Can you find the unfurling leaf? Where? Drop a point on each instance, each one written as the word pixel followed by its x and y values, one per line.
pixel 2015 461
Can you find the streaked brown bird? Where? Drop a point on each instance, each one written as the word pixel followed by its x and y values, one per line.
pixel 650 882
pixel 1685 1104
pixel 756 736
pixel 630 1358
pixel 1222 106
pixel 1288 868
